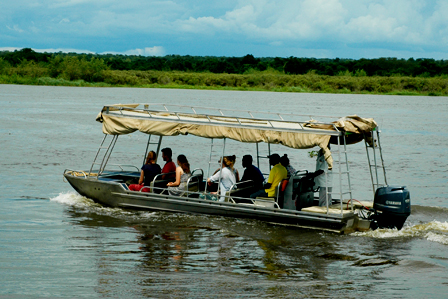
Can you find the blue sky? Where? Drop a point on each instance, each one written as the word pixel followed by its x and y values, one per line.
pixel 264 28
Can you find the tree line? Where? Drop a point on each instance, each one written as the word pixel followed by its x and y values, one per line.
pixel 377 76
pixel 92 63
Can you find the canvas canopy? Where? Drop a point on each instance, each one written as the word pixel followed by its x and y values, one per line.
pixel 124 119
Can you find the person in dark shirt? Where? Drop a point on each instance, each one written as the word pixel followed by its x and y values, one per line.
pixel 284 160
pixel 149 171
pixel 252 173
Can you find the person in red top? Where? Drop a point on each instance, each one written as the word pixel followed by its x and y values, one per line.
pixel 169 165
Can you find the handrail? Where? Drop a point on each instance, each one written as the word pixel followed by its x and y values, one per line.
pixel 196 176
pixel 124 165
pixel 198 169
pixel 193 108
pixel 235 186
pixel 230 198
pixel 153 187
pixel 161 174
pixel 301 171
pixel 78 171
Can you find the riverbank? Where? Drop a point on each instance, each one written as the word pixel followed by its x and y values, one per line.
pixel 253 81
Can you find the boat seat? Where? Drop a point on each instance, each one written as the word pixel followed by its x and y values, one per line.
pixel 266 198
pixel 240 189
pixel 323 210
pixel 356 205
pixel 303 190
pixel 268 202
pixel 278 192
pixel 195 181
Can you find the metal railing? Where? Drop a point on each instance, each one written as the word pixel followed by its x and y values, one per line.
pixel 219 118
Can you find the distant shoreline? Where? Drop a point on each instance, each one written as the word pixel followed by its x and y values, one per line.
pixel 378 76
pixel 255 81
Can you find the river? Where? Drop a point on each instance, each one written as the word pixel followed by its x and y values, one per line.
pixel 56 244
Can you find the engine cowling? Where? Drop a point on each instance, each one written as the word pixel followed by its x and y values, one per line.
pixel 392 205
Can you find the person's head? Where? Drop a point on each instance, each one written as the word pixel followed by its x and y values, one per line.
pixel 284 160
pixel 274 159
pixel 229 161
pixel 247 160
pixel 167 154
pixel 151 157
pixel 183 163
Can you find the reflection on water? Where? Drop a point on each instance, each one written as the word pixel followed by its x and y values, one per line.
pixel 165 251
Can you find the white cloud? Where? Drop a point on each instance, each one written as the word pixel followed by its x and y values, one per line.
pixel 149 51
pixel 10 49
pixel 49 50
pixel 15 28
pixel 339 20
pixel 82 24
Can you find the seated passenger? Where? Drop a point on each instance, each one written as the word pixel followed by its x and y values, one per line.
pixel 225 176
pixel 149 171
pixel 252 173
pixel 284 160
pixel 231 165
pixel 183 173
pixel 169 165
pixel 276 175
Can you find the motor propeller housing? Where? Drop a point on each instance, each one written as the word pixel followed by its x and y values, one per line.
pixel 392 206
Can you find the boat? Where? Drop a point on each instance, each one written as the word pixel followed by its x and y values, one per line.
pixel 294 203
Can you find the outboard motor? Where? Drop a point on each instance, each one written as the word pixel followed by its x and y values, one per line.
pixel 392 205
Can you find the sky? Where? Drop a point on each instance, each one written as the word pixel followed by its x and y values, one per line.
pixel 233 28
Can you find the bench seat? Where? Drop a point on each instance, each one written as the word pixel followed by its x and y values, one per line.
pixel 323 210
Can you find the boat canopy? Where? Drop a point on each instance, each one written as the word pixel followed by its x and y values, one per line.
pixel 122 119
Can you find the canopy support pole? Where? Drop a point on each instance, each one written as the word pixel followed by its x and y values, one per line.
pixel 159 142
pixel 106 154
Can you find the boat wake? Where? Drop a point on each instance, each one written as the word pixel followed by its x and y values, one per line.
pixel 86 205
pixel 434 231
pixel 74 199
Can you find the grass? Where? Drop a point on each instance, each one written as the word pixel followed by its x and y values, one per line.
pixel 250 81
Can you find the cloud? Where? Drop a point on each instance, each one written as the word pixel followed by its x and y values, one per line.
pixel 195 26
pixel 343 20
pixel 149 51
pixel 64 20
pixel 15 28
pixel 49 50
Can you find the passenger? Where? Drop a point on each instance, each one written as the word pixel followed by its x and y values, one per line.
pixel 169 165
pixel 149 171
pixel 231 160
pixel 284 160
pixel 276 175
pixel 252 173
pixel 231 164
pixel 225 176
pixel 183 173
pixel 322 181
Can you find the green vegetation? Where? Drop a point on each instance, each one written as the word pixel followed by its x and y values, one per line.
pixel 377 76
